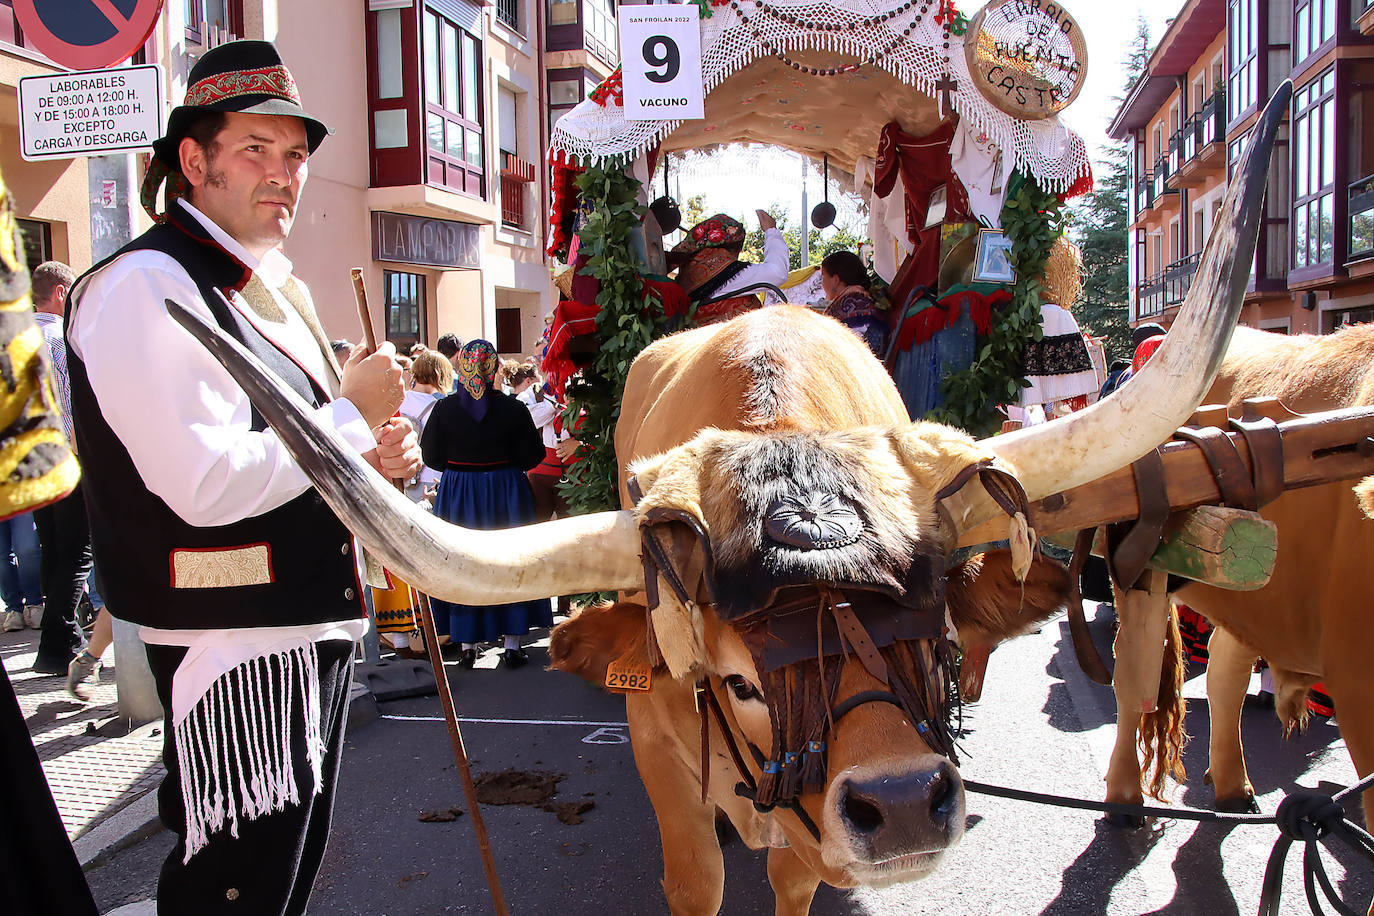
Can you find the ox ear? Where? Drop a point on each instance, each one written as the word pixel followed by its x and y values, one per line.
pixel 586 643
pixel 988 604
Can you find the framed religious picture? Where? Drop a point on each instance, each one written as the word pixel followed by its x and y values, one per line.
pixel 935 210
pixel 992 262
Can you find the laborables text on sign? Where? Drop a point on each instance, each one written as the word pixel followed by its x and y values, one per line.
pixel 660 56
pixel 90 113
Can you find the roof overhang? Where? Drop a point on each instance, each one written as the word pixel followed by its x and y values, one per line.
pixel 1190 32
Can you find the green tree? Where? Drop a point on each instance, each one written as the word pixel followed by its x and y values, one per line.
pixel 844 238
pixel 1098 225
pixel 693 211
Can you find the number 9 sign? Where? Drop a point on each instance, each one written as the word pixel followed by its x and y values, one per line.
pixel 661 62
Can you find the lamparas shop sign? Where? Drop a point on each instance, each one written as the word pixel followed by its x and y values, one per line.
pixel 1027 57
pixel 422 240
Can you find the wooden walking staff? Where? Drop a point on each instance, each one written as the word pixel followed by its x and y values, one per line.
pixel 436 662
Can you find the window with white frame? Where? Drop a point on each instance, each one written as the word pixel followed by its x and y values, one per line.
pixel 1314 171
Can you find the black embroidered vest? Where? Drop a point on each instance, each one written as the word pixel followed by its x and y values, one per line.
pixel 289 566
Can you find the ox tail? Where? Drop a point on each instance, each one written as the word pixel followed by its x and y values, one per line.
pixel 1163 732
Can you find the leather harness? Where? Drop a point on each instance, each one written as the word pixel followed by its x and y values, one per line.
pixel 1130 545
pixel 785 613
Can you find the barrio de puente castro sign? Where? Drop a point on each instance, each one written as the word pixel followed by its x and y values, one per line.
pixel 424 240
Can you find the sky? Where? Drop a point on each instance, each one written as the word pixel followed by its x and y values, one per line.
pixel 743 181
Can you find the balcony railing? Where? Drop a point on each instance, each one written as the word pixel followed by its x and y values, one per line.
pixel 516 173
pixel 1144 193
pixel 1361 211
pixel 1158 174
pixel 1178 277
pixel 1166 288
pixel 1175 157
pixel 508 14
pixel 1149 296
pixel 1204 126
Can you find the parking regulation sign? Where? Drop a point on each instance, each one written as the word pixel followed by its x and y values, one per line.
pixel 90 113
pixel 660 55
pixel 87 34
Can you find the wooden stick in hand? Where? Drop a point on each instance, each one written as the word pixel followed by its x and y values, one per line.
pixel 360 293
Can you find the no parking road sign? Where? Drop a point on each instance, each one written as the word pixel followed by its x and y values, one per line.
pixel 87 34
pixel 90 113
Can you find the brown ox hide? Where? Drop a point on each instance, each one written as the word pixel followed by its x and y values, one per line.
pixel 1311 622
pixel 713 421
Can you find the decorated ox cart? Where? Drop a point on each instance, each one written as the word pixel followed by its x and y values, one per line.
pixel 956 123
pixel 915 87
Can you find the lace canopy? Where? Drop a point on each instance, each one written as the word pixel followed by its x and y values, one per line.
pixel 824 76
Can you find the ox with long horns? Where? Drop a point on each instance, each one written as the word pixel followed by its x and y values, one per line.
pixel 784 544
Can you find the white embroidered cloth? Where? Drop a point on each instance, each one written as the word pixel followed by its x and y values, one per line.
pixel 755 96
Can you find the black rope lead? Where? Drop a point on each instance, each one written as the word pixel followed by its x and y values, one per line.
pixel 1308 816
pixel 1311 817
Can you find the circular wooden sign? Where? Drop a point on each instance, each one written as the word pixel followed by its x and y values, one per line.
pixel 1027 57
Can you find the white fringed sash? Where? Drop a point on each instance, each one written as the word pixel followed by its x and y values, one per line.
pixel 234 745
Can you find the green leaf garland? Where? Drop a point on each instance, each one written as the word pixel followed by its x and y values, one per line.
pixel 1032 219
pixel 625 327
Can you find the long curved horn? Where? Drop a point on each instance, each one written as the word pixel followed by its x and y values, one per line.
pixel 1145 412
pixel 587 553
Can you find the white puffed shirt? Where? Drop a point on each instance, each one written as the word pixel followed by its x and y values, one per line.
pixel 186 424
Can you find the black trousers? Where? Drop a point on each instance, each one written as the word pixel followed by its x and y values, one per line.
pixel 64 535
pixel 270 867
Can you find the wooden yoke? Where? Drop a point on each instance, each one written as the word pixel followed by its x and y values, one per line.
pixel 1317 449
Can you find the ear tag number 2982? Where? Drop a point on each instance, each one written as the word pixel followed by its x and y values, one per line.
pixel 628 673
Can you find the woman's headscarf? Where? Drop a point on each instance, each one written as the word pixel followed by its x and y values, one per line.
pixel 477 363
pixel 1144 351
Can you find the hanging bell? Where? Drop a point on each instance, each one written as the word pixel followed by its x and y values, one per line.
pixel 823 214
pixel 666 211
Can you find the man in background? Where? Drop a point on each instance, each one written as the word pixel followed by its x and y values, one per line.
pixel 64 535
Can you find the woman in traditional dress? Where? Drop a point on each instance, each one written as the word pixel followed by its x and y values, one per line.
pixel 484 441
pixel 431 376
pixel 846 283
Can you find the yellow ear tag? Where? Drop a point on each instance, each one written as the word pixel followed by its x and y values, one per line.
pixel 628 673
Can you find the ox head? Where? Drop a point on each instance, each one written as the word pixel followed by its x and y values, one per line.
pixel 803 583
pixel 845 537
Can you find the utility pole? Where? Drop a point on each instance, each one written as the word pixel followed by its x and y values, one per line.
pixel 805 216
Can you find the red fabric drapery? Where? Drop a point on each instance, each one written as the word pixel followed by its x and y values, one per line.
pixel 923 164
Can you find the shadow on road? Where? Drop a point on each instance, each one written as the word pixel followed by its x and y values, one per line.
pixel 1086 885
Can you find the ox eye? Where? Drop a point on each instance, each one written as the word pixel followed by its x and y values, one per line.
pixel 742 689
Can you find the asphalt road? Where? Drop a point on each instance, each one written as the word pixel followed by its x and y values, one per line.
pixel 1040 725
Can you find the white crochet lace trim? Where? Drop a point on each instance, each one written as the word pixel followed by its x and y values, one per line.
pixel 1046 148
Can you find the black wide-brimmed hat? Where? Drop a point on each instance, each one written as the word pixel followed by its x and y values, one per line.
pixel 245 76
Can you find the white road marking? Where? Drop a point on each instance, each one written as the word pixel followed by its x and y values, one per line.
pixel 511 721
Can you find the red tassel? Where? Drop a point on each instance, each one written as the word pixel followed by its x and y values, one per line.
pixel 570 319
pixel 1083 184
pixel 920 327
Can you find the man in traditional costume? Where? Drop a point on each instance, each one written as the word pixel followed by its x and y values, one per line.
pixel 210 536
pixel 709 268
